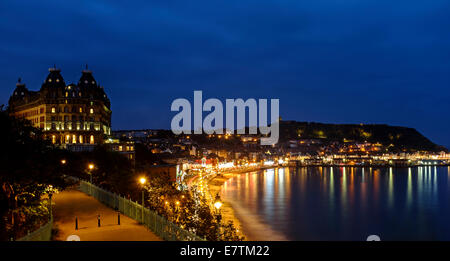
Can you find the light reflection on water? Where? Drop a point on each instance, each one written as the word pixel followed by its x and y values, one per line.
pixel 326 203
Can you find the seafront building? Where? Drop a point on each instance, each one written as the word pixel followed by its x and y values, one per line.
pixel 73 116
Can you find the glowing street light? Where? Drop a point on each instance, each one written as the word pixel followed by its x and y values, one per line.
pixel 50 190
pixel 142 180
pixel 177 208
pixel 90 168
pixel 63 162
pixel 218 204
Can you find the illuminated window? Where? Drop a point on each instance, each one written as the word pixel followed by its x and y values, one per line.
pixel 92 139
pixel 53 139
pixel 81 139
pixel 53 109
pixel 91 110
pixel 67 138
pixel 120 148
pixel 67 94
pixel 74 138
pixel 81 109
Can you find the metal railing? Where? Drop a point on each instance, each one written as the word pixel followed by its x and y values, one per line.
pixel 166 230
pixel 44 233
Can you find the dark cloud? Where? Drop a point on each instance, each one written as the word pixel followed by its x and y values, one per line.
pixel 331 61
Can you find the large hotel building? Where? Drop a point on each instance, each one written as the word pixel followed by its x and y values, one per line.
pixel 75 116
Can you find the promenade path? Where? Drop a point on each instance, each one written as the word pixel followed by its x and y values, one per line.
pixel 71 203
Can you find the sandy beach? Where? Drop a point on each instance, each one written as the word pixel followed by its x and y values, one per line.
pixel 228 213
pixel 247 223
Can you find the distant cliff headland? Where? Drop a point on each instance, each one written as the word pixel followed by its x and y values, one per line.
pixel 399 138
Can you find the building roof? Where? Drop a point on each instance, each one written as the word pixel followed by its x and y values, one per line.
pixel 54 87
pixel 87 80
pixel 54 79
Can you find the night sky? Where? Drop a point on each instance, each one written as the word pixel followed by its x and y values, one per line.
pixel 348 61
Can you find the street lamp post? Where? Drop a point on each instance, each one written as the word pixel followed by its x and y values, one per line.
pixel 50 201
pixel 142 181
pixel 63 164
pixel 50 191
pixel 177 210
pixel 90 168
pixel 218 204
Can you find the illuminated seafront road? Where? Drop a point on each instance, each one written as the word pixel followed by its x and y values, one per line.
pixel 71 203
pixel 336 203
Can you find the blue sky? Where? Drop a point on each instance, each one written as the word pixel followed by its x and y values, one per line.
pixel 347 61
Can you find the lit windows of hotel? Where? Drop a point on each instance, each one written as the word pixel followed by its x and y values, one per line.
pixel 73 114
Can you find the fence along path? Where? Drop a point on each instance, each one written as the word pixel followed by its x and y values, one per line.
pixel 72 204
pixel 44 233
pixel 159 225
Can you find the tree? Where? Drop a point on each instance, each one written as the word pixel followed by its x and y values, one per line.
pixel 113 171
pixel 29 165
pixel 188 209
